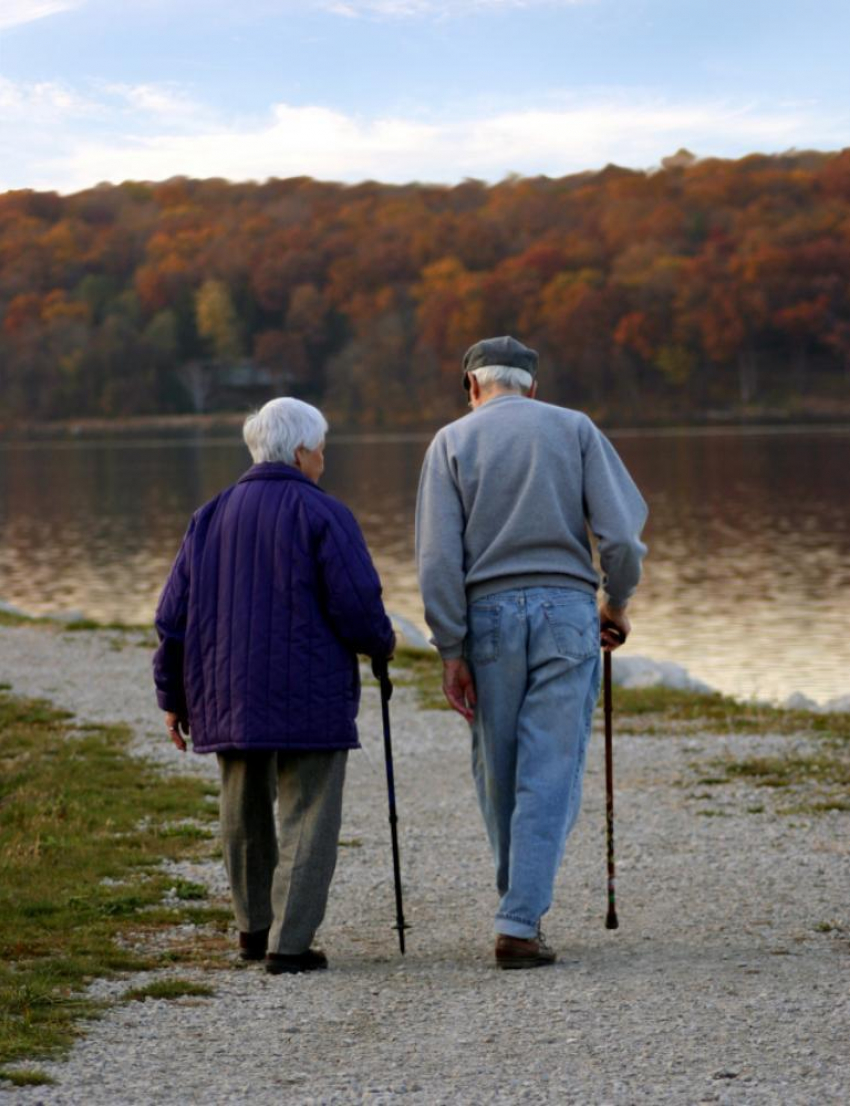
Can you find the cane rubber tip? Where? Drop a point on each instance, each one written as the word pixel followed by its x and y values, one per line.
pixel 611 922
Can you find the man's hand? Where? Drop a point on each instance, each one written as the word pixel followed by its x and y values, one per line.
pixel 459 687
pixel 174 723
pixel 614 626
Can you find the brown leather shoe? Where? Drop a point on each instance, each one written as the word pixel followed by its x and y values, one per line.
pixel 252 946
pixel 523 952
pixel 280 963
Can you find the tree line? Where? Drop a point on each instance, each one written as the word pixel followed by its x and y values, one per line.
pixel 704 286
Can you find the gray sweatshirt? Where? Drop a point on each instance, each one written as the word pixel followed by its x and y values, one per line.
pixel 506 496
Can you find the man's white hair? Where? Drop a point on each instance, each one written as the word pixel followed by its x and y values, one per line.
pixel 276 431
pixel 506 376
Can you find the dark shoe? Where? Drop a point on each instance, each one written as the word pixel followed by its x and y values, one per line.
pixel 522 952
pixel 279 963
pixel 252 946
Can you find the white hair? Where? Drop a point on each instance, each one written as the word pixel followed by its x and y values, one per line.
pixel 277 430
pixel 506 376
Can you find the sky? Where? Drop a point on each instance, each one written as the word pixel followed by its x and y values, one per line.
pixel 409 90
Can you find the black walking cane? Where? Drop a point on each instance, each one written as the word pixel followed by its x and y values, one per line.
pixel 380 669
pixel 611 917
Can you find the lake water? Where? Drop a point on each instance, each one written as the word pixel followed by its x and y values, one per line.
pixel 746 584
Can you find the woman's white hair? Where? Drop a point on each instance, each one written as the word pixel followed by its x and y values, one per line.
pixel 277 430
pixel 506 376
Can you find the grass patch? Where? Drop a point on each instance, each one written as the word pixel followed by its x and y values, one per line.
pixel 75 625
pixel 170 989
pixel 785 771
pixel 27 1077
pixel 218 917
pixel 422 670
pixel 829 927
pixel 682 711
pixel 811 782
pixel 827 766
pixel 827 805
pixel 81 845
pixel 14 618
pixel 187 832
pixel 187 891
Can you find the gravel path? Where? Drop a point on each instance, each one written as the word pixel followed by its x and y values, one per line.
pixel 720 986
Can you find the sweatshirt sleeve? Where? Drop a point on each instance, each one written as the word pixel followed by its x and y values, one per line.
pixel 352 588
pixel 440 527
pixel 616 514
pixel 170 621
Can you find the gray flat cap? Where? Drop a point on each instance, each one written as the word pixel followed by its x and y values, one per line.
pixel 499 351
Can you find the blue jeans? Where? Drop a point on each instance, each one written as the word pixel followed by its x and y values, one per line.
pixel 534 655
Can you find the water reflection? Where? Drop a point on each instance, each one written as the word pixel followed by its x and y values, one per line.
pixel 746 584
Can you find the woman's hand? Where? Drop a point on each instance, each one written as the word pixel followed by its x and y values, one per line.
pixel 174 723
pixel 381 672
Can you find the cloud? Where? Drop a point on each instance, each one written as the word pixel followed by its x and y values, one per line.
pixel 162 103
pixel 69 141
pixel 46 124
pixel 15 12
pixel 39 102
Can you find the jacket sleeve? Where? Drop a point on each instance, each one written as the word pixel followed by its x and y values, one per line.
pixel 170 622
pixel 440 525
pixel 352 588
pixel 616 514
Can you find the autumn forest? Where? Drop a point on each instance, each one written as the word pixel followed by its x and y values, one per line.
pixel 705 289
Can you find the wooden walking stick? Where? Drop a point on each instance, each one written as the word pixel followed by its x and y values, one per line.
pixel 611 917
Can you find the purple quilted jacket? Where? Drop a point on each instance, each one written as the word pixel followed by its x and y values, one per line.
pixel 272 596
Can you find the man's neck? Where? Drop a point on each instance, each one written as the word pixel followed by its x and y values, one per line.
pixel 495 392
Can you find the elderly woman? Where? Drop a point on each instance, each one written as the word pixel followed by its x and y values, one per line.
pixel 272 596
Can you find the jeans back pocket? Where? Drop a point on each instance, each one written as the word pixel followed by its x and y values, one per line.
pixel 574 624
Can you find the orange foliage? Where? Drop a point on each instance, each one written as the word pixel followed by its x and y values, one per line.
pixel 682 287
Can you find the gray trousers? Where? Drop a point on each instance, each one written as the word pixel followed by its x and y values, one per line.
pixel 281 878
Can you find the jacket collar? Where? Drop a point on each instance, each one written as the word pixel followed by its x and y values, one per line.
pixel 275 470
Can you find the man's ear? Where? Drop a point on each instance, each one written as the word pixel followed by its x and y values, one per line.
pixel 532 391
pixel 474 388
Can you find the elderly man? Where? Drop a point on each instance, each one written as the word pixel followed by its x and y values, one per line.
pixel 271 598
pixel 506 497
